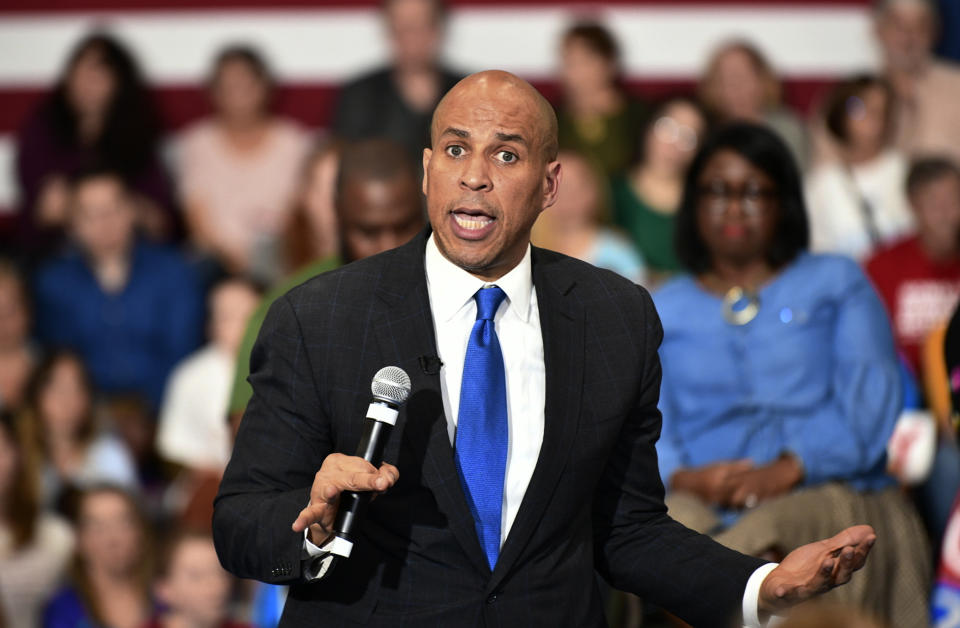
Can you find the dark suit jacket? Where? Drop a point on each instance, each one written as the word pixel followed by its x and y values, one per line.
pixel 595 499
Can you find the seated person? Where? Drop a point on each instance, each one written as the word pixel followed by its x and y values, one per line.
pixel 378 206
pixel 572 226
pixel 17 354
pixel 856 199
pixel 597 117
pixel 34 544
pixel 395 102
pixel 780 380
pixel 918 277
pixel 130 308
pixel 110 582
pixel 193 428
pixel 71 449
pixel 99 112
pixel 193 588
pixel 739 84
pixel 238 168
pixel 645 198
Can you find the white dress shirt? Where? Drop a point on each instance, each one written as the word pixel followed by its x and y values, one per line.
pixel 517 321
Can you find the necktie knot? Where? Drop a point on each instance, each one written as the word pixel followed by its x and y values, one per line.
pixel 488 302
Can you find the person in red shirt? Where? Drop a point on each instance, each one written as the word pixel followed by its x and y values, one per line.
pixel 918 277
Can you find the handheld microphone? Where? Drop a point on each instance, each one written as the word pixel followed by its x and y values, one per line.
pixel 390 387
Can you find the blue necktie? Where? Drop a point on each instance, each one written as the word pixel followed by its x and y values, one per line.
pixel 482 431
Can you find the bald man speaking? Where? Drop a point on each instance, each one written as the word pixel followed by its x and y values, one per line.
pixel 524 458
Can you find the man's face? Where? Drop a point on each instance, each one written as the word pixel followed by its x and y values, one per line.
pixel 906 33
pixel 415 33
pixel 937 207
pixel 378 215
pixel 102 219
pixel 487 177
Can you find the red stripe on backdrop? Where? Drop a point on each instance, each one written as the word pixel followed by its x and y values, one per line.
pixel 57 6
pixel 313 104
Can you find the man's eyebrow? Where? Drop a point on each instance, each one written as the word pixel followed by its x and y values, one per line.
pixel 511 137
pixel 455 131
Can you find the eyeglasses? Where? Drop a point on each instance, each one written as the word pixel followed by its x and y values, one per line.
pixel 669 131
pixel 754 198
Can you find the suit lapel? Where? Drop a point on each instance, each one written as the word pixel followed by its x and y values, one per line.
pixel 404 333
pixel 562 326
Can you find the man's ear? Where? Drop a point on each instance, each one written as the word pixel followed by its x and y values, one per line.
pixel 427 154
pixel 551 183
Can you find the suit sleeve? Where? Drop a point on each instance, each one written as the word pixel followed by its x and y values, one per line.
pixel 638 547
pixel 282 441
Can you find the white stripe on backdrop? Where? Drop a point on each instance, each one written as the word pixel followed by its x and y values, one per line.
pixel 329 45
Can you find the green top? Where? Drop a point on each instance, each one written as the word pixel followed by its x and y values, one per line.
pixel 242 392
pixel 650 230
pixel 609 142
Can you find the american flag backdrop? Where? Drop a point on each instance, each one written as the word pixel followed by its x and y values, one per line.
pixel 313 45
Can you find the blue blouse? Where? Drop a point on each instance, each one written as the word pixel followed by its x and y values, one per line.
pixel 814 374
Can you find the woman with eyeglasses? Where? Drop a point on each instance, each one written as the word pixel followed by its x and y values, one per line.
pixel 780 380
pixel 857 198
pixel 646 198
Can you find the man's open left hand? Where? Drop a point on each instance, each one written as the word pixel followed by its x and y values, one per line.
pixel 816 568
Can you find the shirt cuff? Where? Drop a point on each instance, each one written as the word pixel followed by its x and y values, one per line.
pixel 751 598
pixel 315 560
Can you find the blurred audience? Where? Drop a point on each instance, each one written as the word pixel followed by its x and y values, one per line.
pixel 379 206
pixel 739 84
pixel 193 429
pixel 918 278
pixel 819 615
pixel 34 544
pixel 109 582
pixel 597 117
pixel 572 226
pixel 780 381
pixel 857 200
pixel 926 88
pixel 645 200
pixel 73 450
pixel 396 102
pixel 238 168
pixel 17 354
pixel 192 587
pixel 132 309
pixel 311 230
pixel 100 112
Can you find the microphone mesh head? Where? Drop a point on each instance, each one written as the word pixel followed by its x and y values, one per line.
pixel 391 384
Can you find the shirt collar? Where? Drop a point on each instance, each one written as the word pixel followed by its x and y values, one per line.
pixel 451 287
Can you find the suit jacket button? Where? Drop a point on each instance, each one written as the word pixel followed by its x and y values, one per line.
pixel 492 599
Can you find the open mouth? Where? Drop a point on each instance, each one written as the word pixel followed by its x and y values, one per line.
pixel 472 223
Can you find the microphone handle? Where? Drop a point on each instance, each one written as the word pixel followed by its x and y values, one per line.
pixel 374 439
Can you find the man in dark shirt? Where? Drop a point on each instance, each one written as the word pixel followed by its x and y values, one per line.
pixel 130 308
pixel 396 101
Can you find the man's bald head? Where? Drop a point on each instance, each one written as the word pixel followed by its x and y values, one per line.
pixel 497 85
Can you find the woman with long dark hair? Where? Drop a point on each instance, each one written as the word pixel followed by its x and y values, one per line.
pixel 34 545
pixel 68 444
pixel 99 113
